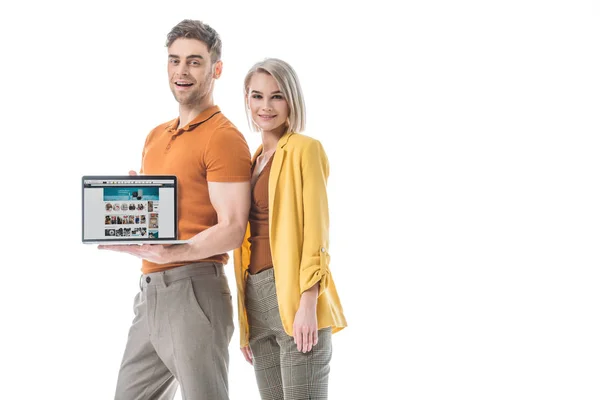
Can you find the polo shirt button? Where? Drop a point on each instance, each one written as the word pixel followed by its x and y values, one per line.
pixel 148 279
pixel 322 249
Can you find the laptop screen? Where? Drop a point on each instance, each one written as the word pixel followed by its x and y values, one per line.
pixel 129 208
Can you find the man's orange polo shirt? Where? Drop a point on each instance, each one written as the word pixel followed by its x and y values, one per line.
pixel 209 148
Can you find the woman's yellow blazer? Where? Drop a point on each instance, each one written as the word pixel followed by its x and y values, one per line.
pixel 298 233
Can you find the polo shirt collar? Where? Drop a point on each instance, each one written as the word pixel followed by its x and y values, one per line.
pixel 199 120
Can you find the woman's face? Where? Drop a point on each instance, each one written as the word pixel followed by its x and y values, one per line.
pixel 268 107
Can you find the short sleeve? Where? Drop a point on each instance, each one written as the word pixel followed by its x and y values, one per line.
pixel 227 157
pixel 149 138
pixel 144 153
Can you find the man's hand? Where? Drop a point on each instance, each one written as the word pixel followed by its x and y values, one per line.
pixel 156 253
pixel 247 353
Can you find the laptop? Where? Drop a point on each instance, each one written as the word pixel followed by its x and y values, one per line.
pixel 124 209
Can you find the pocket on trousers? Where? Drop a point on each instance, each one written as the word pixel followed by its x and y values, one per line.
pixel 199 301
pixel 224 312
pixel 227 301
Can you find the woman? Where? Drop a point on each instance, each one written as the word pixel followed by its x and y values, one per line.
pixel 288 305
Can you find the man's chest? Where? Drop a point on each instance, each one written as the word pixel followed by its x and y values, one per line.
pixel 174 154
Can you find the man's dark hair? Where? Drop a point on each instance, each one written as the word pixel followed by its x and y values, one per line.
pixel 193 29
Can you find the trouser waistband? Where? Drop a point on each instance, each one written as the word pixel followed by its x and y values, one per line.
pixel 164 278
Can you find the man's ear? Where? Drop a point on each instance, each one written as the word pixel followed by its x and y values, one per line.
pixel 217 69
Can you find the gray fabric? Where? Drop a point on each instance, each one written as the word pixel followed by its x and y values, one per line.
pixel 180 335
pixel 282 372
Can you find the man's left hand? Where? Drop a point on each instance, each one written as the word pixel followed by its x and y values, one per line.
pixel 156 253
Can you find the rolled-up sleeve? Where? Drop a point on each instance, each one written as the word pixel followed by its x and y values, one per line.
pixel 314 265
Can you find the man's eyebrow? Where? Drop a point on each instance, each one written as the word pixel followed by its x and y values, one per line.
pixel 188 57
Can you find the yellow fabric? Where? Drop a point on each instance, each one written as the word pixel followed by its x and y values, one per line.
pixel 299 235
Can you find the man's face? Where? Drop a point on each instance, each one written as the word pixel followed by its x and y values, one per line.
pixel 191 72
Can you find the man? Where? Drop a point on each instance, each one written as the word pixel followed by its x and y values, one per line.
pixel 183 314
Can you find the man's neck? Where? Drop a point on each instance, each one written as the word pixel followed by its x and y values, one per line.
pixel 188 112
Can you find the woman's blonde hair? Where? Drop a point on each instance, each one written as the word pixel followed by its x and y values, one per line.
pixel 288 83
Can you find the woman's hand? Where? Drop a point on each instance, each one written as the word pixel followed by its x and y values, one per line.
pixel 306 333
pixel 247 353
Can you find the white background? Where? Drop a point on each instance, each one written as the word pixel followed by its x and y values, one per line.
pixel 463 142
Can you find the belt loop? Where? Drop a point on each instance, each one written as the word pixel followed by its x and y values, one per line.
pixel 217 269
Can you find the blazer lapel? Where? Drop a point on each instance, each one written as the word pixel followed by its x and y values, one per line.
pixel 276 166
pixel 278 158
pixel 257 153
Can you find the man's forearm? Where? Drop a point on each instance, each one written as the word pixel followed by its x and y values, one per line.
pixel 217 239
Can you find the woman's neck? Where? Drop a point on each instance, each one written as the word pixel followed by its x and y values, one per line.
pixel 271 138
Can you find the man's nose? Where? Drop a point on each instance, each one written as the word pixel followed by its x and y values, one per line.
pixel 182 69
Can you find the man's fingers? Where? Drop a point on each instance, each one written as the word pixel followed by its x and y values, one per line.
pixel 315 337
pixel 109 247
pixel 112 247
pixel 132 249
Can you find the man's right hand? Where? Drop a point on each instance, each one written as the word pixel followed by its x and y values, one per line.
pixel 132 173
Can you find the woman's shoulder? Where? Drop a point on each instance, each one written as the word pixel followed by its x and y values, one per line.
pixel 305 147
pixel 302 141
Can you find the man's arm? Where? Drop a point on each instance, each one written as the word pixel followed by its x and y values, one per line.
pixel 231 201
